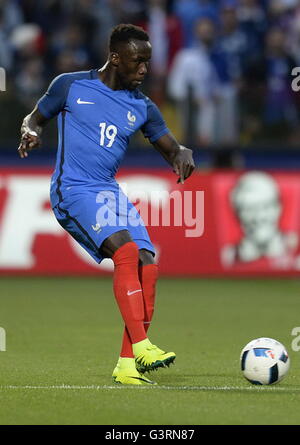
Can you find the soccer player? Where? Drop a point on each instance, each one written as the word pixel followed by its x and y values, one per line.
pixel 98 111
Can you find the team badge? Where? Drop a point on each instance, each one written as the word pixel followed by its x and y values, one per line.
pixel 131 118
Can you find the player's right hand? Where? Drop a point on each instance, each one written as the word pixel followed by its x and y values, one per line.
pixel 29 140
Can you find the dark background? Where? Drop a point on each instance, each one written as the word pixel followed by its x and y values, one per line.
pixel 251 46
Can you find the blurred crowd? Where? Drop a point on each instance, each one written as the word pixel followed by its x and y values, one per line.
pixel 221 68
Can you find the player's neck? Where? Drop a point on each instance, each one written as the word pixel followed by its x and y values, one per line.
pixel 108 76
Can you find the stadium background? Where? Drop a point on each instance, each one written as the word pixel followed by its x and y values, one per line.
pixel 220 73
pixel 235 107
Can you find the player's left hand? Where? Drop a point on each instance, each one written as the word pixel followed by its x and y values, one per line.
pixel 183 164
pixel 29 140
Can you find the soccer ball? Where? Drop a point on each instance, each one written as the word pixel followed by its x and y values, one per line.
pixel 264 361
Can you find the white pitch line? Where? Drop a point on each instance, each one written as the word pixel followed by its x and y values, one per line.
pixel 163 387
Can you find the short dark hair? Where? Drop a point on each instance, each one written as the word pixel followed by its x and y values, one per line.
pixel 125 33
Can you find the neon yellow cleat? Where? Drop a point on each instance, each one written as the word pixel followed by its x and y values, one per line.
pixel 131 377
pixel 149 357
pixel 125 373
pixel 117 368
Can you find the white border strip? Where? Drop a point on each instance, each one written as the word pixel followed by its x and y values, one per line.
pixel 163 387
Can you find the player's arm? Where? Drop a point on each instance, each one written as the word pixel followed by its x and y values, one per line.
pixel 49 105
pixel 178 156
pixel 31 130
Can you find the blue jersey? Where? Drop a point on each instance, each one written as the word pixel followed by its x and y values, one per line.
pixel 94 125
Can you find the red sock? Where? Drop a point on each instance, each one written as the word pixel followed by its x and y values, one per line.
pixel 128 290
pixel 148 276
pixel 126 349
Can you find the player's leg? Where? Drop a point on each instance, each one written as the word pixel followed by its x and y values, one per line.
pixel 147 270
pixel 128 293
pixel 148 274
pixel 126 284
pixel 147 357
pixel 141 351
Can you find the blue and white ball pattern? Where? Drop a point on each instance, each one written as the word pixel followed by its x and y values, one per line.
pixel 264 361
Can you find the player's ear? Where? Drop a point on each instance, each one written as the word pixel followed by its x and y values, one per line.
pixel 114 59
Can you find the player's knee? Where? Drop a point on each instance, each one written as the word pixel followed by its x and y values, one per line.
pixel 111 244
pixel 128 253
pixel 146 257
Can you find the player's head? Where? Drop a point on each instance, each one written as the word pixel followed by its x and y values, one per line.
pixel 129 54
pixel 257 203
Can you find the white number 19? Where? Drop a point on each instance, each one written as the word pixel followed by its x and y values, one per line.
pixel 109 132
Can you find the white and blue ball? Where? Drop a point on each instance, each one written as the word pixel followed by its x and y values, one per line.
pixel 264 361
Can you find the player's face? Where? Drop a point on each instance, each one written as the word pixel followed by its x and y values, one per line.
pixel 134 59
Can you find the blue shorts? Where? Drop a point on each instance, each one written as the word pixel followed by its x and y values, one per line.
pixel 91 217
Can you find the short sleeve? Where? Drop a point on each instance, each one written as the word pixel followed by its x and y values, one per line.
pixel 155 126
pixel 53 101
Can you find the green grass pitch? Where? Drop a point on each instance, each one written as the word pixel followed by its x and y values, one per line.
pixel 63 337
